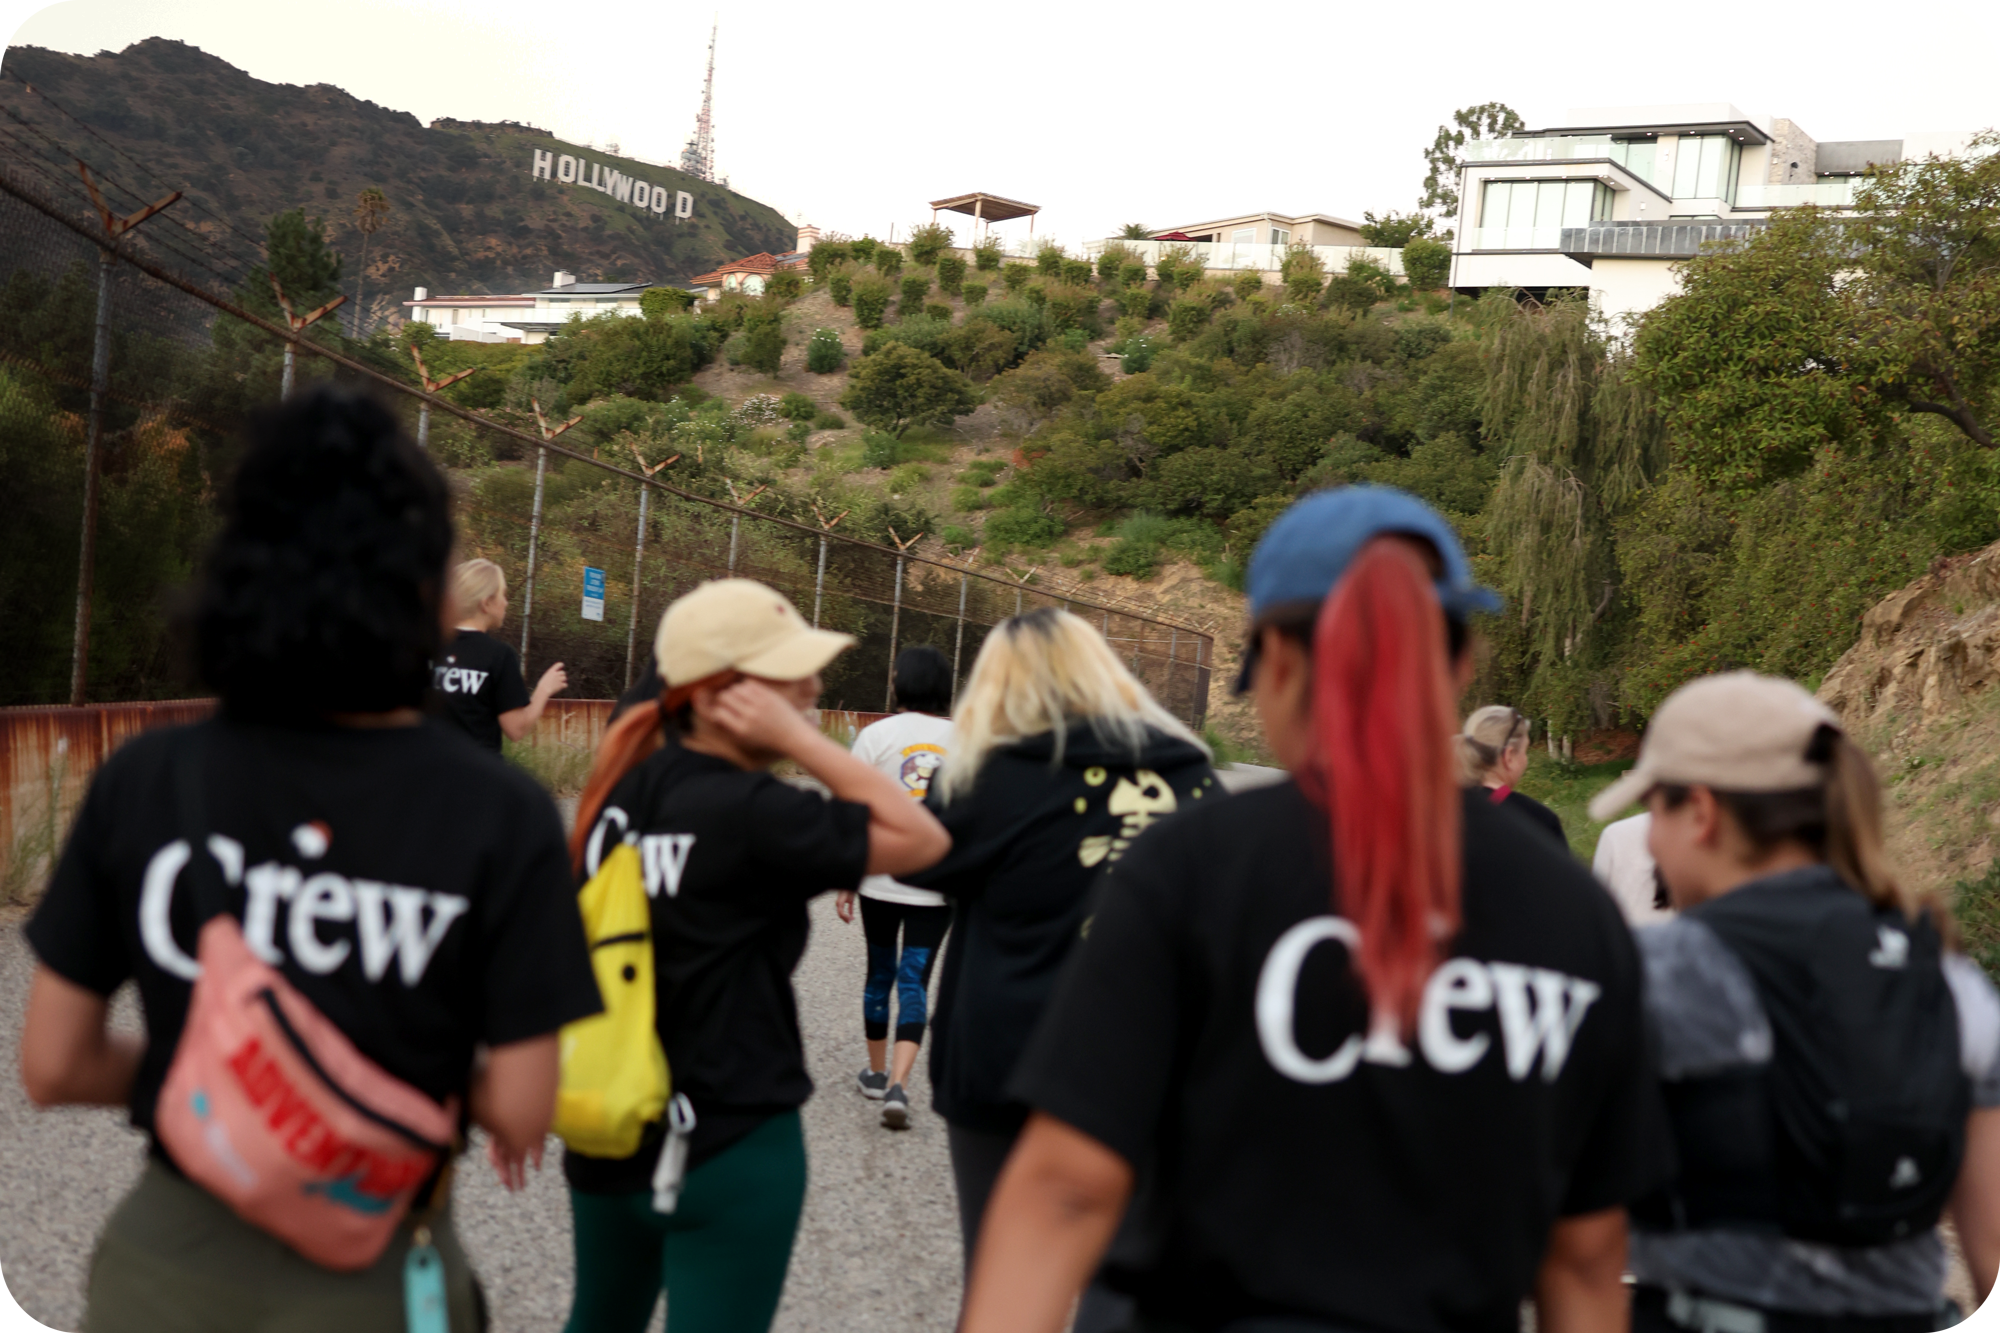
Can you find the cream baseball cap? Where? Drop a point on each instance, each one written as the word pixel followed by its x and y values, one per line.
pixel 1738 731
pixel 740 625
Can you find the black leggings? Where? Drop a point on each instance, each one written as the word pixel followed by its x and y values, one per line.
pixel 909 975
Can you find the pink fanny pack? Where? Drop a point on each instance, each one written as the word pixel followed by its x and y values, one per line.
pixel 270 1107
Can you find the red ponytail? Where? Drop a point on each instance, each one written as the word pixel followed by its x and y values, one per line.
pixel 1383 718
pixel 627 743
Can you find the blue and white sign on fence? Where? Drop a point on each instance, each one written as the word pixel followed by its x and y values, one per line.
pixel 593 593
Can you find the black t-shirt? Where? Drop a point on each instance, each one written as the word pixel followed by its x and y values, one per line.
pixel 1209 1030
pixel 1531 809
pixel 1028 842
pixel 416 891
pixel 731 858
pixel 476 680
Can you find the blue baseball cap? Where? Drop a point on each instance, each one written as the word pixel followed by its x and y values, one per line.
pixel 1307 550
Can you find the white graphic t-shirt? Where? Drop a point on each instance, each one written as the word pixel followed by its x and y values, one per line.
pixel 909 747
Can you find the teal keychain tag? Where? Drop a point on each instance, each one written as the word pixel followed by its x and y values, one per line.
pixel 423 1286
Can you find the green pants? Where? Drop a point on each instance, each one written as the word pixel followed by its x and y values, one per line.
pixel 720 1256
pixel 175 1259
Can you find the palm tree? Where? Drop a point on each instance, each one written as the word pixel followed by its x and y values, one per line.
pixel 371 210
pixel 1134 231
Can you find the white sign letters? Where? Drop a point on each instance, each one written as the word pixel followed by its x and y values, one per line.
pixel 571 170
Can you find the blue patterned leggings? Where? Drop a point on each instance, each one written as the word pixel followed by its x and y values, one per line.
pixel 922 929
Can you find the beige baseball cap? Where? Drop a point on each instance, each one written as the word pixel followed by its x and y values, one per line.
pixel 1738 731
pixel 741 625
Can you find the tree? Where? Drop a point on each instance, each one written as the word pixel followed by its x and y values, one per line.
pixel 1393 230
pixel 371 210
pixel 1485 121
pixel 660 302
pixel 900 387
pixel 870 297
pixel 763 341
pixel 1580 442
pixel 1134 231
pixel 1426 263
pixel 928 242
pixel 304 264
pixel 827 256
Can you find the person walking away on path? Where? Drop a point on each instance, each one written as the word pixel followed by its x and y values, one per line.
pixel 908 747
pixel 1061 759
pixel 1831 1061
pixel 1373 1047
pixel 1493 754
pixel 413 890
pixel 731 857
pixel 477 678
pixel 1625 867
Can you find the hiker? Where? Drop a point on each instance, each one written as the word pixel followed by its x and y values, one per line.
pixel 1493 754
pixel 1625 868
pixel 1831 1061
pixel 908 747
pixel 323 869
pixel 1060 759
pixel 1372 1047
pixel 476 677
pixel 731 855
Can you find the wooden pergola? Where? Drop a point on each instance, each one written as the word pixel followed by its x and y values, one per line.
pixel 986 208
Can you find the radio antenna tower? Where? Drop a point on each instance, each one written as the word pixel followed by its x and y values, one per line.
pixel 698 158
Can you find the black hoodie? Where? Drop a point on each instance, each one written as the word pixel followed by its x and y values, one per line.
pixel 1026 845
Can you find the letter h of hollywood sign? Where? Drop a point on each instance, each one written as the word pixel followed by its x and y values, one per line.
pixel 572 171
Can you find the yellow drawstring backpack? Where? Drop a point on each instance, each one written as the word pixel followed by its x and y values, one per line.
pixel 614 1073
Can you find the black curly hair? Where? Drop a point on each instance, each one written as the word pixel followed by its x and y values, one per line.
pixel 322 592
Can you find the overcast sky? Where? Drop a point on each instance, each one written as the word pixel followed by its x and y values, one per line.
pixel 854 116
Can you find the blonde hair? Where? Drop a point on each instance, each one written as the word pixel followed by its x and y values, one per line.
pixel 1489 733
pixel 472 582
pixel 1040 672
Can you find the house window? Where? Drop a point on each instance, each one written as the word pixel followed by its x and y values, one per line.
pixel 1243 236
pixel 1279 236
pixel 1705 167
pixel 1542 206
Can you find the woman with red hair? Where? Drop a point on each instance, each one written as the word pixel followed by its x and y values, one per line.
pixel 1370 1048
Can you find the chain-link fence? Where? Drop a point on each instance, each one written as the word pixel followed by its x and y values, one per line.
pixel 128 363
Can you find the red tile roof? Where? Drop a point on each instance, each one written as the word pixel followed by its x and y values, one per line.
pixel 762 262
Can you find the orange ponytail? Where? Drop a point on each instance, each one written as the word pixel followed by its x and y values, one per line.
pixel 1383 719
pixel 627 743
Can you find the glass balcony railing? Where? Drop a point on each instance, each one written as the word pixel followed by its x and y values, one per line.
pixel 1516 238
pixel 1542 150
pixel 1245 255
pixel 1826 194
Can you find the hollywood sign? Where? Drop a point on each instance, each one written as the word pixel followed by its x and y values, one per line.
pixel 625 189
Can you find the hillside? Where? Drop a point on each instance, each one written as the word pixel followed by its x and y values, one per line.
pixel 468 214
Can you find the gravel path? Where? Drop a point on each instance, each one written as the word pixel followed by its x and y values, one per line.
pixel 878 1246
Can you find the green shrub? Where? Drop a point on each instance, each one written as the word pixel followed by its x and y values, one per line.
pixel 1037 296
pixel 933 310
pixel 827 256
pixel 907 477
pixel 1016 276
pixel 824 353
pixel 1138 355
pixel 956 538
pixel 763 344
pixel 1304 274
pixel 1137 560
pixel 1426 263
pixel 1134 302
pixel 829 421
pixel 1023 527
pixel 786 285
pixel 795 406
pixel 919 331
pixel 979 347
pixel 1132 275
pixel 950 273
pixel 1074 308
pixel 1174 258
pixel 986 256
pixel 1186 317
pixel 841 286
pixel 864 249
pixel 1108 264
pixel 1049 260
pixel 928 242
pixel 967 499
pixel 1028 322
pixel 798 431
pixel 983 471
pixel 1076 272
pixel 900 387
pixel 659 302
pixel 871 302
pixel 1075 340
pixel 1247 284
pixel 916 286
pixel 888 260
pixel 878 449
pixel 972 293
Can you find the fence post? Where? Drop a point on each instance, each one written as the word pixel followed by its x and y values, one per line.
pixel 819 584
pixel 638 568
pixel 958 649
pixel 86 563
pixel 735 521
pixel 534 536
pixel 423 424
pixel 895 628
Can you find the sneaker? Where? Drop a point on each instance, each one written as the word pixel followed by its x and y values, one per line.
pixel 896 1108
pixel 873 1083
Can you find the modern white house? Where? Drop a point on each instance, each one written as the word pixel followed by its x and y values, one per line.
pixel 527 318
pixel 1610 199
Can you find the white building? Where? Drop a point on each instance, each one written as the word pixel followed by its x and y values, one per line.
pixel 1611 198
pixel 527 318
